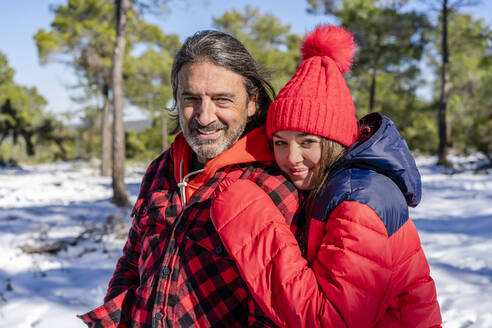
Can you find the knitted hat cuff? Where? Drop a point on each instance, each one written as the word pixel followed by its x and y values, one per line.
pixel 309 116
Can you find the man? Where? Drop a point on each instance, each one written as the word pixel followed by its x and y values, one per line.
pixel 175 271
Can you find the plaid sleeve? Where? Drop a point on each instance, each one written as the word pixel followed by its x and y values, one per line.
pixel 126 274
pixel 283 194
pixel 115 313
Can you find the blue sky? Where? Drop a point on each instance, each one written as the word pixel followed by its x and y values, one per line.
pixel 21 19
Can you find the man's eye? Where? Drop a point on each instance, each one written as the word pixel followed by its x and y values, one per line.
pixel 279 143
pixel 223 100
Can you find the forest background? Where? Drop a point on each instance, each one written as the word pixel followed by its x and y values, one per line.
pixel 427 64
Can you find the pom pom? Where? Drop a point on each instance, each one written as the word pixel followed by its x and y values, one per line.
pixel 331 41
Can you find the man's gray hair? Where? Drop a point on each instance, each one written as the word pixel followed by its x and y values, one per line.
pixel 224 50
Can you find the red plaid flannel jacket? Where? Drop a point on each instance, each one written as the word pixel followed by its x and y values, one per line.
pixel 175 271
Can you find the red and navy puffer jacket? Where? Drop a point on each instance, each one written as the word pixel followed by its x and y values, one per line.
pixel 364 265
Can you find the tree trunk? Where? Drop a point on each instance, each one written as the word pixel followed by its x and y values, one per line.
pixel 441 153
pixel 14 147
pixel 24 149
pixel 2 138
pixel 63 151
pixel 120 197
pixel 164 129
pixel 372 92
pixel 106 134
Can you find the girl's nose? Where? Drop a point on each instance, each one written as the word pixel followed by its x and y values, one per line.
pixel 294 156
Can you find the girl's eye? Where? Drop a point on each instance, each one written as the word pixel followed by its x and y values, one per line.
pixel 279 143
pixel 309 142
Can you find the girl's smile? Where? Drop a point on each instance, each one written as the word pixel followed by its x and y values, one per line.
pixel 298 154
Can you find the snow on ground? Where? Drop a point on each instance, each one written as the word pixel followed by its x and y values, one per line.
pixel 69 202
pixel 47 203
pixel 455 224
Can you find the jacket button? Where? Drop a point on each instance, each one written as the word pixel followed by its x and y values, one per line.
pixel 218 250
pixel 165 272
pixel 159 316
pixel 180 228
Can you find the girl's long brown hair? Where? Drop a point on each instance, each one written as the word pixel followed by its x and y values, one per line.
pixel 331 151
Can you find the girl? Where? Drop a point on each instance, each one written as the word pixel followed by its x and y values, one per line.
pixel 363 265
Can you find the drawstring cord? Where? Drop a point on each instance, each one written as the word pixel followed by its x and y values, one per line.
pixel 182 184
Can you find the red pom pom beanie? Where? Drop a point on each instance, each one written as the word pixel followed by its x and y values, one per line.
pixel 317 100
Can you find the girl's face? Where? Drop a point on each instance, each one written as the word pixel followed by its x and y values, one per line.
pixel 298 154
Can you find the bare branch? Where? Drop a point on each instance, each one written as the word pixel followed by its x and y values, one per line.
pixel 433 5
pixel 55 247
pixel 463 3
pixel 436 5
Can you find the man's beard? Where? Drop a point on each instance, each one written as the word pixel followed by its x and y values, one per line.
pixel 210 148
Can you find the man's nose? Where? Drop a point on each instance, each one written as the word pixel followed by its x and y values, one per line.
pixel 206 112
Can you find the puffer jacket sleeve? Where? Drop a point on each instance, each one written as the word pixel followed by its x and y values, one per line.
pixel 347 282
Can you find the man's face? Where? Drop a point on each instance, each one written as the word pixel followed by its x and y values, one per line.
pixel 213 108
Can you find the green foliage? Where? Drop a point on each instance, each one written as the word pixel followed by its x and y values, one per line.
pixel 469 113
pixel 51 131
pixel 6 72
pixel 82 36
pixel 20 113
pixel 6 155
pixel 419 128
pixel 146 144
pixel 267 39
pixel 391 44
pixel 147 74
pixel 87 143
pixel 386 75
pixel 481 130
pixel 22 117
pixel 134 145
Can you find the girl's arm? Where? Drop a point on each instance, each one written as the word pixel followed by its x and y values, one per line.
pixel 347 284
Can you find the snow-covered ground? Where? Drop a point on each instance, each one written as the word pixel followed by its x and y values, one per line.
pixel 69 202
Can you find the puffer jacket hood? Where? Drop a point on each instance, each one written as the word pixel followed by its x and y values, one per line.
pixel 387 153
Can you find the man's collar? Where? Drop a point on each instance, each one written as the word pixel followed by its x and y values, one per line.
pixel 195 165
pixel 253 147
